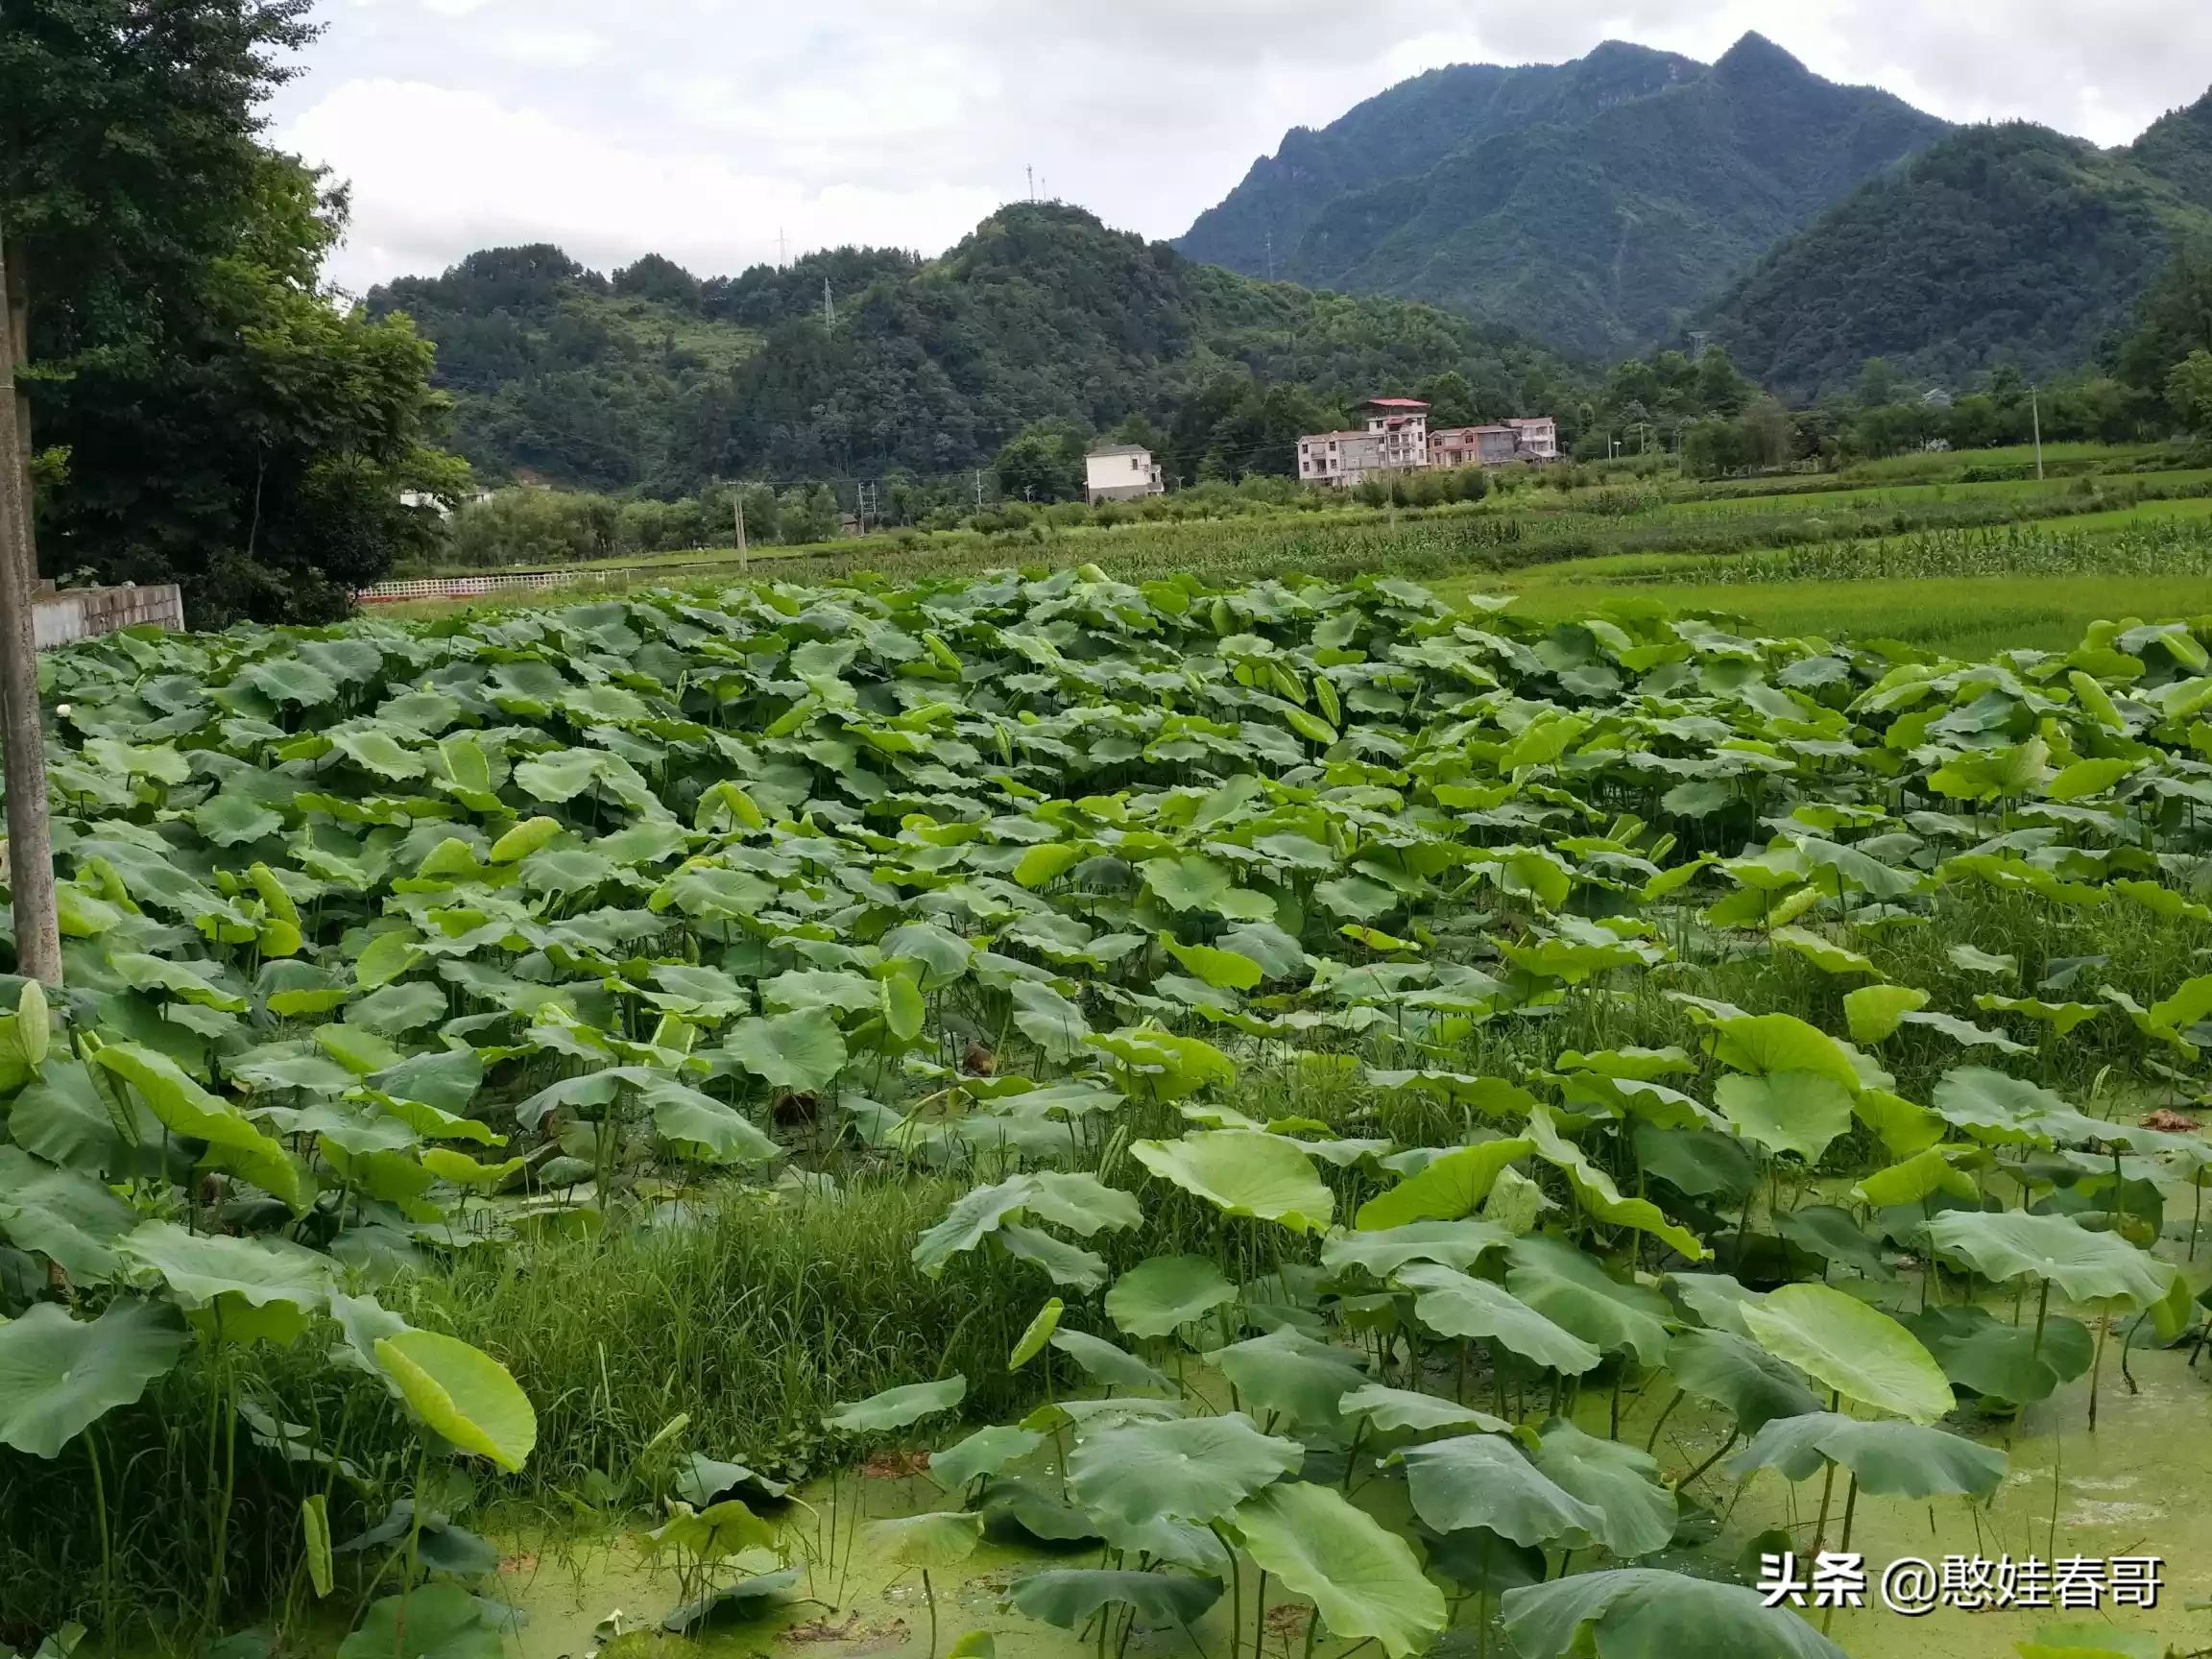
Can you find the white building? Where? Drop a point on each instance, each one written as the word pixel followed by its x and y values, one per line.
pixel 1338 458
pixel 1120 472
pixel 1539 436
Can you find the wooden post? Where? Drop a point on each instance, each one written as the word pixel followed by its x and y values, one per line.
pixel 30 840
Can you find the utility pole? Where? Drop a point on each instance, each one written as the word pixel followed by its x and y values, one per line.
pixel 828 310
pixel 1029 173
pixel 2035 413
pixel 1270 252
pixel 979 488
pixel 29 838
pixel 780 259
pixel 737 512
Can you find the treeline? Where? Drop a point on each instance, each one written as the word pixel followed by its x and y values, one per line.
pixel 202 411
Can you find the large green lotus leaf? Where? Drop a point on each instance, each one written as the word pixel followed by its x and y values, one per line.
pixel 1406 1410
pixel 722 1532
pixel 1890 1460
pixel 1184 1469
pixel 146 972
pixel 1244 1173
pixel 1364 1581
pixel 1066 1264
pixel 1923 1175
pixel 72 1220
pixel 1452 1243
pixel 1736 1374
pixel 1716 1299
pixel 1453 1303
pixel 1763 1043
pixel 560 775
pixel 1798 1112
pixel 1444 1190
pixel 1991 1356
pixel 432 1621
pixel 1618 1480
pixel 1703 1162
pixel 1641 1613
pixel 1070 1596
pixel 1829 1232
pixel 59 1375
pixel 186 1109
pixel 1289 1375
pixel 720 1134
pixel 199 1267
pixel 896 1408
pixel 1595 1191
pixel 986 1451
pixel 1081 1202
pixel 701 1481
pixel 1191 882
pixel 1163 1294
pixel 2057 1249
pixel 1479 1559
pixel 462 1393
pixel 1993 1107
pixel 64 1118
pixel 936 1539
pixel 802 1049
pixel 1573 1291
pixel 1116 1367
pixel 1844 1345
pixel 741 1598
pixel 1872 1012
pixel 1486 1480
pixel 972 1216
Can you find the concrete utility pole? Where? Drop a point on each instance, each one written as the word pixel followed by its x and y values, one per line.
pixel 737 512
pixel 828 310
pixel 30 839
pixel 2035 413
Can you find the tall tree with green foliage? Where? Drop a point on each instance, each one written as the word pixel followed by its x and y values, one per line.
pixel 204 412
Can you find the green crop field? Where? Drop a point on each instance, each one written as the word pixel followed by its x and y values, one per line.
pixel 1038 1115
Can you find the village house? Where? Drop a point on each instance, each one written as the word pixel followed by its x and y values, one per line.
pixel 1396 439
pixel 1120 472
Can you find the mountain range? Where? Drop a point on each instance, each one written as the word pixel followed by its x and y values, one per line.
pixel 653 379
pixel 1593 204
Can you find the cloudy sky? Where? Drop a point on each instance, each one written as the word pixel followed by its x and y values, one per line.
pixel 706 129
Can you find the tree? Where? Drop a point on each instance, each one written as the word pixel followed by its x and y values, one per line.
pixel 2173 319
pixel 263 449
pixel 1040 463
pixel 1450 399
pixel 1880 381
pixel 1720 389
pixel 2189 391
pixel 211 416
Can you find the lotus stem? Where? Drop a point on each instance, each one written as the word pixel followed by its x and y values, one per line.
pixel 1843 1543
pixel 2097 1366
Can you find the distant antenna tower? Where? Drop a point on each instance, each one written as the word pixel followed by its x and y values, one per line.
pixel 780 258
pixel 1030 174
pixel 829 309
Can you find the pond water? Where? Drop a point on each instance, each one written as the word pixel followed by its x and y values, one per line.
pixel 2141 1484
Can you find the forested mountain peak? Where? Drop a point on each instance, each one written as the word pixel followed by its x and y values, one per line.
pixel 656 380
pixel 2006 243
pixel 1591 203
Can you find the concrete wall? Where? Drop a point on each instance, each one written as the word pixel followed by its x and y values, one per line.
pixel 87 613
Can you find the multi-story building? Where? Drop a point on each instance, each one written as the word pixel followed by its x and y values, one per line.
pixel 1397 438
pixel 1120 472
pixel 1339 458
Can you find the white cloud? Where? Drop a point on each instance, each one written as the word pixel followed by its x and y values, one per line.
pixel 698 127
pixel 437 173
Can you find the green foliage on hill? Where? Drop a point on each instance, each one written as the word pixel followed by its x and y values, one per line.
pixel 1040 315
pixel 1589 203
pixel 2005 243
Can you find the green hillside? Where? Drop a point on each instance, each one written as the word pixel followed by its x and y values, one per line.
pixel 654 380
pixel 2003 243
pixel 1590 204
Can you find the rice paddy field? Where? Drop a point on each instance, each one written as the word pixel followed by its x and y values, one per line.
pixel 1223 1110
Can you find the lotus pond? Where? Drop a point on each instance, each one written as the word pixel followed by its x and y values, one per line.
pixel 1042 1116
